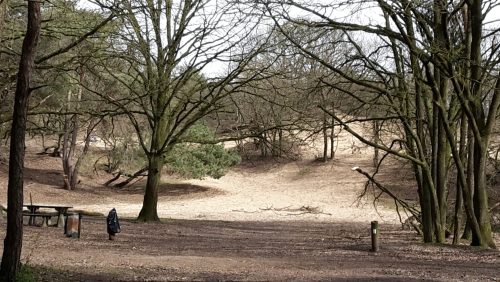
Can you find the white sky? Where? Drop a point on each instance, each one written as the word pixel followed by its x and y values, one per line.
pixel 366 15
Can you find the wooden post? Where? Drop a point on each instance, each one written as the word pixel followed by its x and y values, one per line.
pixel 374 234
pixel 79 224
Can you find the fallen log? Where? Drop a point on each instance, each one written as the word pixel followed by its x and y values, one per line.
pixel 139 173
pixel 113 179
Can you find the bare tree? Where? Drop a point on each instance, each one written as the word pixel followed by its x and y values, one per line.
pixel 438 68
pixel 163 49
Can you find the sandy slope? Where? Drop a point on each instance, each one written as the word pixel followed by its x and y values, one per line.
pixel 284 193
pixel 302 190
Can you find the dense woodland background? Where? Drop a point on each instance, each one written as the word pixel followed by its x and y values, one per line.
pixel 164 85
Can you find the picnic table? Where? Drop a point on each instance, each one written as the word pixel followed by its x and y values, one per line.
pixel 61 210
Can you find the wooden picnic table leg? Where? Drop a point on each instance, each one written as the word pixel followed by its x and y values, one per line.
pixel 45 222
pixel 60 216
pixel 33 210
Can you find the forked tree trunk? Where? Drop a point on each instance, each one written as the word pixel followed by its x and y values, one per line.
pixel 13 240
pixel 418 146
pixel 443 152
pixel 71 166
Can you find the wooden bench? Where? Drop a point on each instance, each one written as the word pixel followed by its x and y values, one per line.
pixel 46 217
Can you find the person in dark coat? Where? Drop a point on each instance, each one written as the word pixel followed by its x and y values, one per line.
pixel 113 224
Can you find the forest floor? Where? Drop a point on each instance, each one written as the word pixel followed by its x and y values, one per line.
pixel 264 220
pixel 189 250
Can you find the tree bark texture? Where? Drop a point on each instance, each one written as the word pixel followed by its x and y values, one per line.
pixel 3 9
pixel 457 218
pixel 325 137
pixel 149 207
pixel 332 135
pixel 13 240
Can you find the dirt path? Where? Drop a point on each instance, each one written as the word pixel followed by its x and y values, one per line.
pixel 235 250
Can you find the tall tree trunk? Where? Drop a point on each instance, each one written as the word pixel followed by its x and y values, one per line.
pixel 442 180
pixel 467 234
pixel 467 195
pixel 66 145
pixel 443 154
pixel 149 207
pixel 426 208
pixel 149 210
pixel 263 145
pixel 14 237
pixel 484 125
pixel 69 146
pixel 325 137
pixel 481 210
pixel 274 143
pixel 440 152
pixel 457 218
pixel 332 134
pixel 437 160
pixel 280 142
pixel 419 146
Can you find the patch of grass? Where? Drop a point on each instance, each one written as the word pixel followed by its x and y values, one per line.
pixel 26 274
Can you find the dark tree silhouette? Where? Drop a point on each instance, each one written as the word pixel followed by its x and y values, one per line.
pixel 14 238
